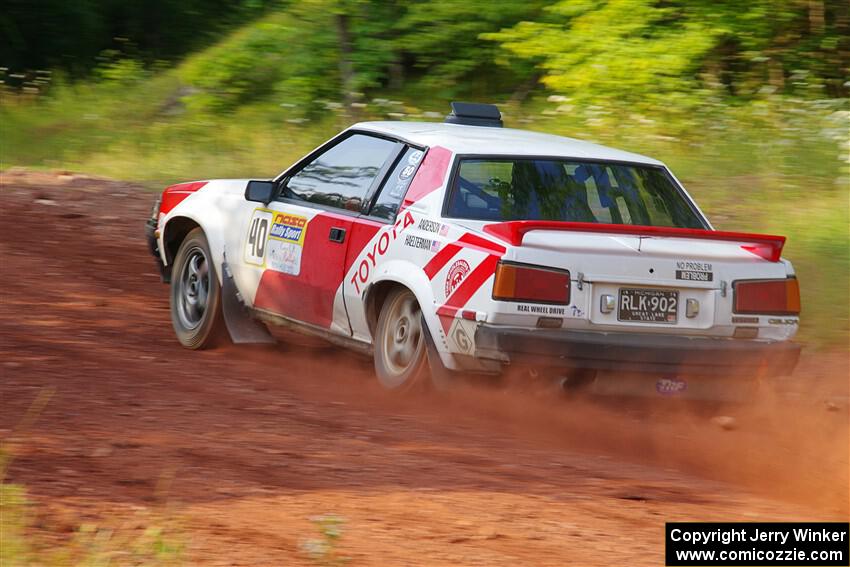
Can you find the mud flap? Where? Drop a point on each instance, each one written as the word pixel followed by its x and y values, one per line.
pixel 441 377
pixel 243 328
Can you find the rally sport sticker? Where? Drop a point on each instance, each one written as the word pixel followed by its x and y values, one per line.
pixel 286 242
pixel 275 241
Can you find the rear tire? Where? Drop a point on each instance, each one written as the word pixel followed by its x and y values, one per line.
pixel 401 360
pixel 196 295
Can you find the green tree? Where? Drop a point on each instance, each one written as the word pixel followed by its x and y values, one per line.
pixel 68 35
pixel 440 41
pixel 634 50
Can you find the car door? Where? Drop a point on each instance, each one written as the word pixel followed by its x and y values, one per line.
pixel 299 241
pixel 365 250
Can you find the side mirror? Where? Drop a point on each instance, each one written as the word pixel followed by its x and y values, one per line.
pixel 260 191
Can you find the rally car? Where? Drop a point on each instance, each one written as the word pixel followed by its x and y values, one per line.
pixel 466 247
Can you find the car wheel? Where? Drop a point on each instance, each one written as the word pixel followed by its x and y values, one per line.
pixel 196 295
pixel 400 355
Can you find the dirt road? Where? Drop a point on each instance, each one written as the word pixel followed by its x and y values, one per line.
pixel 241 447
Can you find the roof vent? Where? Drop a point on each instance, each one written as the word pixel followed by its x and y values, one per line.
pixel 474 114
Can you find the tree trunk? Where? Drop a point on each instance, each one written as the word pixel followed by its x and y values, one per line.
pixel 346 66
pixel 776 72
pixel 396 81
pixel 816 16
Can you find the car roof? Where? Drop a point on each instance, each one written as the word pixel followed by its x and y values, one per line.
pixel 484 140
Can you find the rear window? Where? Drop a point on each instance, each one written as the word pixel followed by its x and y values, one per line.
pixel 567 190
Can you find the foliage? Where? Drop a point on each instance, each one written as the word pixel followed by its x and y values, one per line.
pixel 91 545
pixel 614 49
pixel 648 51
pixel 41 34
pixel 321 50
pixel 14 517
pixel 442 41
pixel 325 551
pixel 143 540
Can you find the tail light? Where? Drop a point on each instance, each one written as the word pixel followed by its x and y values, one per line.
pixel 534 284
pixel 768 297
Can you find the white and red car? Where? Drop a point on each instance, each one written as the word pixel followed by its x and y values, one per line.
pixel 474 247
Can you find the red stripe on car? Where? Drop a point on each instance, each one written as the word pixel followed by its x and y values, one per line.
pixel 430 177
pixel 174 194
pixel 440 259
pixel 475 241
pixel 446 316
pixel 468 240
pixel 467 289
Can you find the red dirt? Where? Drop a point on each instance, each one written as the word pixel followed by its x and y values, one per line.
pixel 242 446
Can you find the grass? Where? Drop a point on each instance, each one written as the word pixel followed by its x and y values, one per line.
pixel 777 165
pixel 325 550
pixel 144 539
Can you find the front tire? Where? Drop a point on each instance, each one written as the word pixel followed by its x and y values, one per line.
pixel 196 295
pixel 401 360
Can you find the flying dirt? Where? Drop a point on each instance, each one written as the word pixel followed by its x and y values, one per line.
pixel 105 416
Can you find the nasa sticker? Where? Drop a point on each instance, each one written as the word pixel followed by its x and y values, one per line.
pixel 457 273
pixel 407 171
pixel 415 157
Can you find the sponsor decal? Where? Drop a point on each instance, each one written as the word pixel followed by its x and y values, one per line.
pixel 462 339
pixel 694 266
pixel 541 309
pixel 745 319
pixel 430 176
pixel 415 157
pixel 406 172
pixel 692 276
pixel 457 272
pixel 468 285
pixel 275 241
pixel 289 228
pixel 285 243
pixel 783 321
pixel 414 241
pixel 694 271
pixel 670 386
pixel 430 226
pixel 258 233
pixel 379 248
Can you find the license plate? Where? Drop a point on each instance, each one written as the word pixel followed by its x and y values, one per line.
pixel 648 305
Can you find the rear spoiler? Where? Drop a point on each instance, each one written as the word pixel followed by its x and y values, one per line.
pixel 765 246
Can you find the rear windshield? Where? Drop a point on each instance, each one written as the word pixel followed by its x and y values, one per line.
pixel 566 190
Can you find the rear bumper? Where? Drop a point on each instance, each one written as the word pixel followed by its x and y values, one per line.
pixel 659 354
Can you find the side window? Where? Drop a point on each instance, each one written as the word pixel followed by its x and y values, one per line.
pixel 342 175
pixel 389 199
